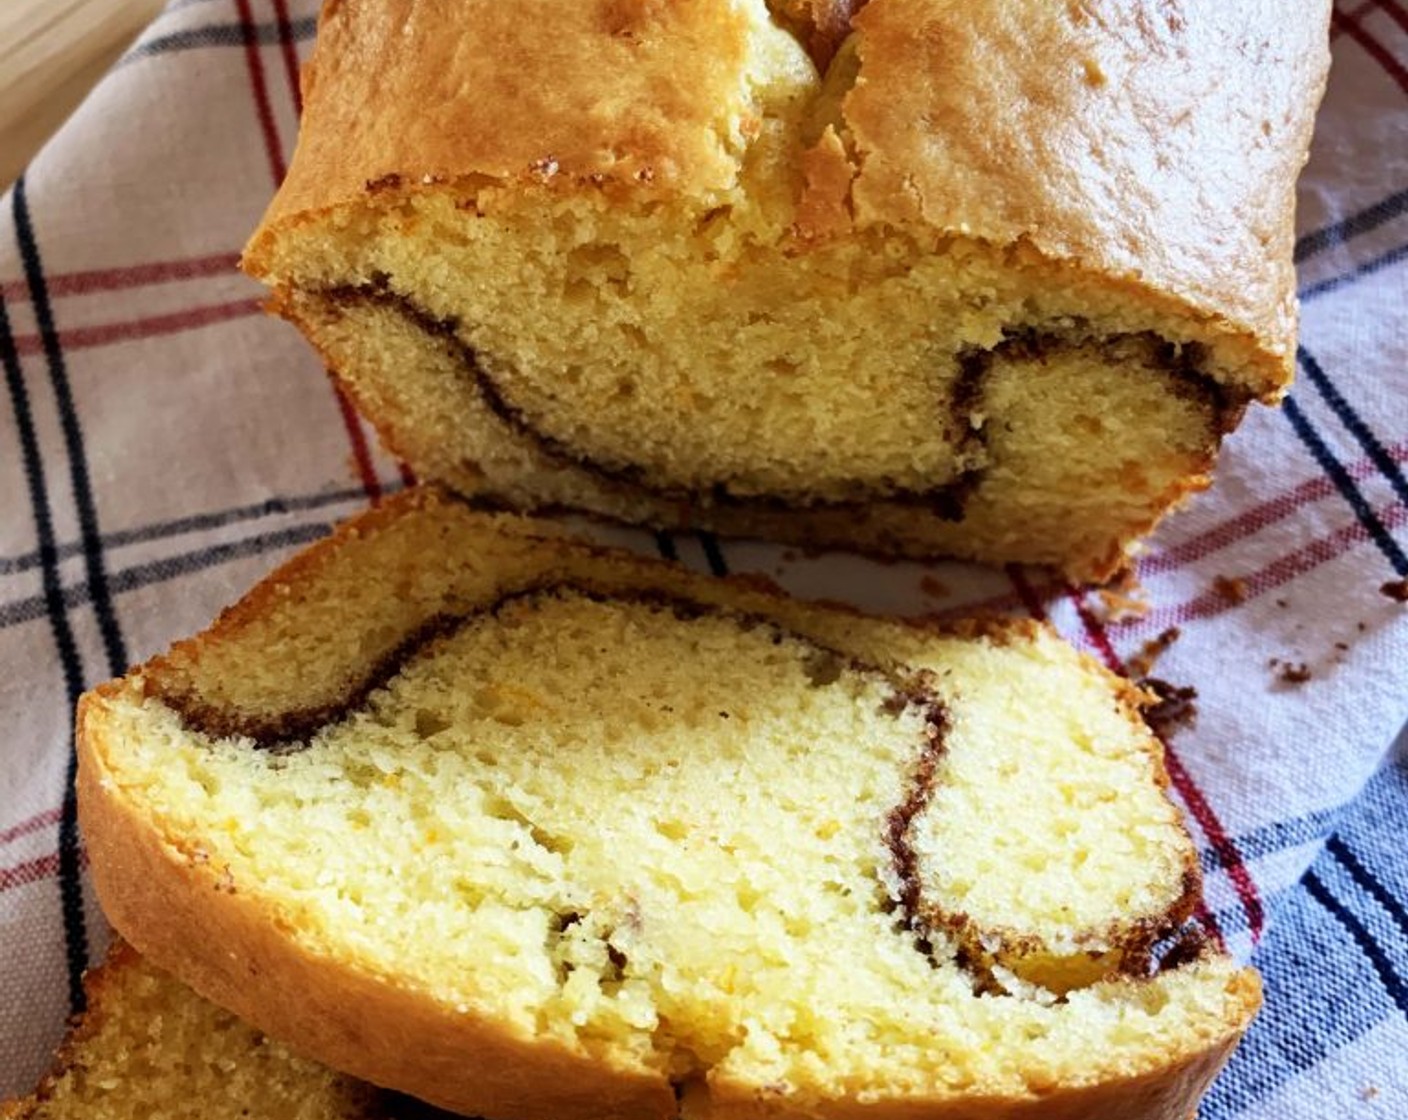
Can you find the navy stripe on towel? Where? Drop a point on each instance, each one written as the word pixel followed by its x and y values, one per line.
pixel 70 888
pixel 1392 257
pixel 1378 532
pixel 1371 217
pixel 220 35
pixel 84 504
pixel 1372 445
pixel 1372 950
pixel 665 545
pixel 1366 881
pixel 713 554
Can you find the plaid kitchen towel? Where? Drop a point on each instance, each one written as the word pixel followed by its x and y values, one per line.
pixel 163 444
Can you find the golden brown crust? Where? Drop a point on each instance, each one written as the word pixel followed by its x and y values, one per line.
pixel 1151 148
pixel 1152 1096
pixel 619 91
pixel 1156 145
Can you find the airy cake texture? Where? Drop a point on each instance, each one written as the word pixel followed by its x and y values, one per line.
pixel 984 279
pixel 148 1048
pixel 534 830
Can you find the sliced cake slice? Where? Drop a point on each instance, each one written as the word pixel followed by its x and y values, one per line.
pixel 534 830
pixel 989 279
pixel 149 1048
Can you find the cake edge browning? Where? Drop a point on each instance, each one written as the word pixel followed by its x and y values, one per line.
pixel 166 899
pixel 103 985
pixel 352 1021
pixel 339 1016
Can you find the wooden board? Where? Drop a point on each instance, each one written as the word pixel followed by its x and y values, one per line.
pixel 52 52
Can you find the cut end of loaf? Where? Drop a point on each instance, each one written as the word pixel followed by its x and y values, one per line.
pixel 596 814
pixel 852 395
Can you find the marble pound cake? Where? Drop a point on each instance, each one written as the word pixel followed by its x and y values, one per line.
pixel 989 279
pixel 533 830
pixel 149 1048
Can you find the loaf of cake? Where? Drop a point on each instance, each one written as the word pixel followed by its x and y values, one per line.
pixel 535 830
pixel 149 1048
pixel 987 279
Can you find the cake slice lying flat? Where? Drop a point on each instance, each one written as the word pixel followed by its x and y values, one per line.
pixel 534 830
pixel 148 1047
pixel 987 279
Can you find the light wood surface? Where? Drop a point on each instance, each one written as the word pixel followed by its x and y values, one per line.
pixel 51 54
